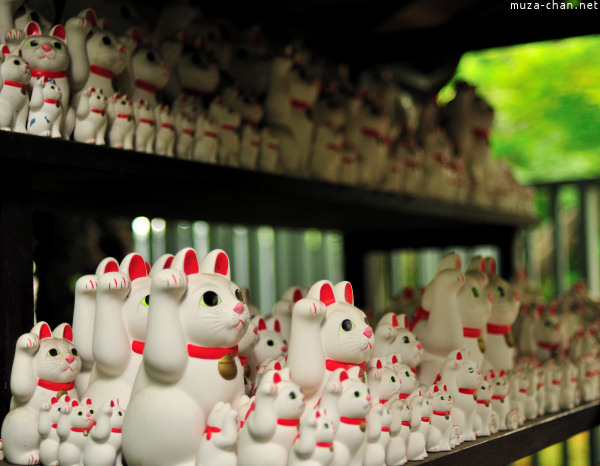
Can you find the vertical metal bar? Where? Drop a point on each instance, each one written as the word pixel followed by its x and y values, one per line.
pixel 565 453
pixel 559 251
pixel 588 244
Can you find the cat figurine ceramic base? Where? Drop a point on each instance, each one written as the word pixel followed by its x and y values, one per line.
pixel 48 422
pixel 437 323
pixel 91 118
pixel 181 348
pixel 272 425
pixel 119 331
pixel 220 437
pixel 74 425
pixel 45 111
pixel 14 101
pixel 321 323
pixel 44 366
pixel 314 445
pixel 103 446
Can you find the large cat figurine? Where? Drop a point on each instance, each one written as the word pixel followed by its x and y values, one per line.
pixel 44 366
pixel 119 331
pixel 48 57
pixel 14 101
pixel 196 319
pixel 328 332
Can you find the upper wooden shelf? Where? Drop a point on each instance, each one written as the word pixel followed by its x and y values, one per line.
pixel 98 180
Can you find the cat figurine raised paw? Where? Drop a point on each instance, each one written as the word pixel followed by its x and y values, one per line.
pixel 220 437
pixel 91 117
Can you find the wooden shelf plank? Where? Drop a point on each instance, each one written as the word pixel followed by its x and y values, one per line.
pixel 505 447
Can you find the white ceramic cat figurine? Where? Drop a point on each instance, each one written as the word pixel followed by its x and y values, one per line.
pixel 440 432
pixel 475 309
pixel 272 425
pixel 395 454
pixel 48 422
pixel 589 380
pixel 328 332
pixel 569 392
pixel 206 144
pixel 500 351
pixel 270 151
pixel 145 126
pixel 74 425
pixel 165 131
pixel 377 435
pixel 48 57
pixel 45 111
pixel 91 118
pixel 119 331
pixel 548 335
pixel 346 399
pixel 314 445
pixel 196 319
pixel 437 323
pixel 384 383
pixel 553 377
pixel 14 101
pixel 185 127
pixel 103 446
pixel 271 344
pixel 44 366
pixel 252 112
pixel 228 121
pixel 462 377
pixel 416 446
pixel 84 311
pixel 500 398
pixel 483 415
pixel 220 437
pixel 121 122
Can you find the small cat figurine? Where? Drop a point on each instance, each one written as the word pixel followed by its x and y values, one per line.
pixel 48 57
pixel 74 425
pixel 420 423
pixel 384 383
pixel 272 425
pixel 270 151
pixel 121 122
pixel 92 120
pixel 45 111
pixel 103 447
pixel 220 437
pixel 47 425
pixel 271 344
pixel 165 131
pixel 314 445
pixel 484 412
pixel 440 433
pixel 228 121
pixel 185 126
pixel 196 319
pixel 44 366
pixel 328 332
pixel 206 144
pixel 14 101
pixel 145 126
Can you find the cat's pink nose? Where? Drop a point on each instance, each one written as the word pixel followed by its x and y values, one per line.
pixel 490 298
pixel 284 348
pixel 517 297
pixel 420 345
pixel 368 332
pixel 122 49
pixel 47 48
pixel 239 308
pixel 368 397
pixel 70 358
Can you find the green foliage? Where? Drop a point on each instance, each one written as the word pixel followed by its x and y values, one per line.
pixel 546 96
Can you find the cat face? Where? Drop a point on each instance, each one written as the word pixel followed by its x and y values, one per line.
pixel 505 301
pixel 469 375
pixel 135 307
pixel 213 311
pixel 104 50
pixel 249 108
pixel 408 347
pixel 118 415
pixel 383 381
pixel 499 383
pixel 45 52
pixel 441 399
pixel 407 378
pixel 290 400
pixel 56 360
pixel 199 71
pixel 484 391
pixel 14 68
pixel 82 415
pixel 303 87
pixel 474 305
pixel 548 328
pixel 52 91
pixel 271 343
pixel 97 99
pixel 355 399
pixel 121 104
pixel 148 66
pixel 323 425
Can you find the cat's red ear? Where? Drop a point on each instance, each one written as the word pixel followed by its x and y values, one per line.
pixel 276 378
pixel 349 294
pixel 436 389
pixel 445 388
pixel 343 376
pixel 326 295
pixel 74 403
pixel 45 332
pixel 5 50
pixel 379 365
pixel 216 262
pixel 277 366
pixel 395 321
pixel 68 333
pixel 32 29
pixel 112 404
pixel 262 325
pixel 277 326
pixel 297 295
pixel 135 266
pixel 53 400
pixel 222 264
pixel 59 32
pixel 190 263
pixel 88 401
pixel 394 359
pixel 90 15
pixel 111 265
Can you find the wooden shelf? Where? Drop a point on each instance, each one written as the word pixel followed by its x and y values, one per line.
pixel 91 179
pixel 505 447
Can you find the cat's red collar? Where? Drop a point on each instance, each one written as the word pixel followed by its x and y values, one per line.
pixel 494 329
pixel 406 423
pixel 201 352
pixel 441 413
pixel 56 386
pixel 51 101
pixel 471 332
pixel 98 70
pixel 324 444
pixel 209 430
pixel 467 391
pixel 14 84
pixel 354 421
pixel 48 74
pixel 146 86
pixel 547 345
pixel 332 365
pixel 421 314
pixel 298 104
pixel 288 422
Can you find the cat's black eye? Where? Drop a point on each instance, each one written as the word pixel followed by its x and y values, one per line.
pixel 33 43
pixel 91 411
pixel 80 413
pixel 407 374
pixel 270 343
pixel 326 426
pixel 483 387
pixel 120 413
pixel 53 352
pixel 74 352
pixel 500 292
pixel 356 394
pixel 150 56
pixel 548 324
pixel 145 300
pixel 210 299
pixel 347 325
pixel 405 339
pixel 442 398
pixel 392 379
pixel 285 342
pixel 57 45
pixel 475 292
pixel 292 396
pixel 106 40
pixel 240 296
pixel 17 62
